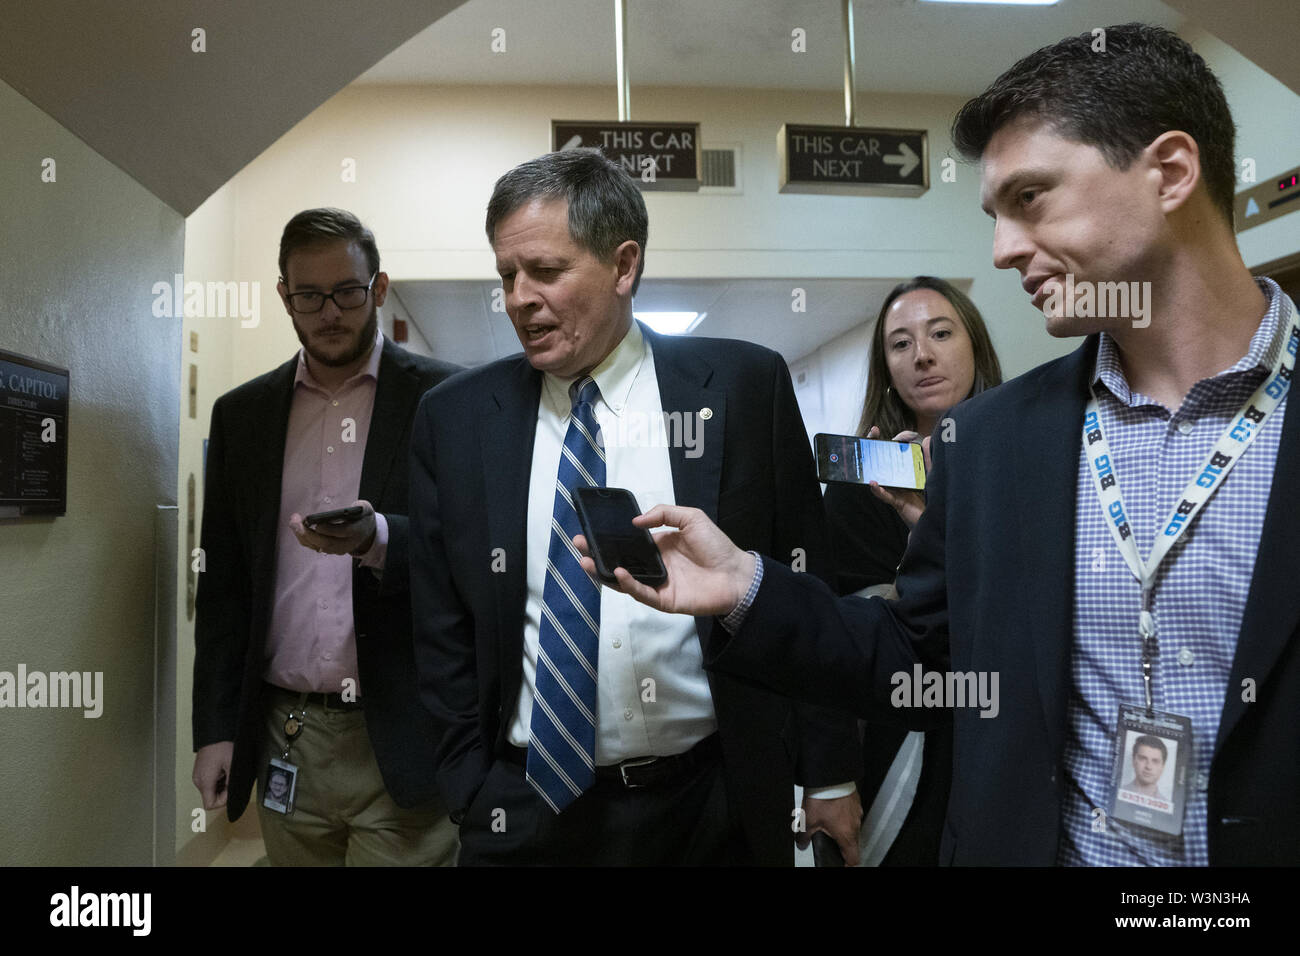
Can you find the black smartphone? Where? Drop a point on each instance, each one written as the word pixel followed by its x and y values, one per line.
pixel 614 542
pixel 860 461
pixel 339 516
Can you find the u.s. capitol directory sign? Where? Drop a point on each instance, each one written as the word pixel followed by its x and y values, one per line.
pixel 33 437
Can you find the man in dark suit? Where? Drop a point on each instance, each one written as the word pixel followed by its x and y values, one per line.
pixel 303 649
pixel 580 728
pixel 1026 564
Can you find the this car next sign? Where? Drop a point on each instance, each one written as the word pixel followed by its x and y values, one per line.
pixel 656 155
pixel 853 160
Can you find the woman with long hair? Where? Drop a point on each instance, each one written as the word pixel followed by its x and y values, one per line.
pixel 929 351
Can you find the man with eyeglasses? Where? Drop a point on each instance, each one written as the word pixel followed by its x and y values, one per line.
pixel 304 663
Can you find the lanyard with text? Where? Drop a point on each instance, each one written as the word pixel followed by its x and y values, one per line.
pixel 1244 426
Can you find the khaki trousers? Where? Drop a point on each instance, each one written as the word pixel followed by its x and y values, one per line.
pixel 342 813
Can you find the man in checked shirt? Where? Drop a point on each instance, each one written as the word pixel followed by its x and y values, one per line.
pixel 1044 553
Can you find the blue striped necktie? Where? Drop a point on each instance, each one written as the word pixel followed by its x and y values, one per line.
pixel 562 733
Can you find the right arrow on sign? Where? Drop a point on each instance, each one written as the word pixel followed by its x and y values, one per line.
pixel 906 160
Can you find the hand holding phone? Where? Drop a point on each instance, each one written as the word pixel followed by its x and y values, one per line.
pixel 614 541
pixel 861 461
pixel 894 470
pixel 349 530
pixel 340 516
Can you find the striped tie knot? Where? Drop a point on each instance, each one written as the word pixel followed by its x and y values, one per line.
pixel 584 391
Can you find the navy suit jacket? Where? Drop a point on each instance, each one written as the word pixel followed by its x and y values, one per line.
pixel 987 584
pixel 241 509
pixel 471 461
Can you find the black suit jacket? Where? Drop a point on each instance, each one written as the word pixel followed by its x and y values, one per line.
pixel 471 462
pixel 987 584
pixel 868 539
pixel 236 591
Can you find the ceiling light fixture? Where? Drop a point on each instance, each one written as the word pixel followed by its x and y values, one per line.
pixel 1004 3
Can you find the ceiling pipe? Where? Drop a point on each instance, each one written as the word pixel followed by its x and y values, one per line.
pixel 620 57
pixel 850 94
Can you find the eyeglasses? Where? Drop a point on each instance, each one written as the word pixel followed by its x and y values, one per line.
pixel 349 297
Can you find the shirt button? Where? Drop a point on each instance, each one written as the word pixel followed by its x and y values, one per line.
pixel 627 715
pixel 1186 427
pixel 327 499
pixel 330 449
pixel 618 644
pixel 1202 781
pixel 329 657
pixel 1185 657
pixel 335 402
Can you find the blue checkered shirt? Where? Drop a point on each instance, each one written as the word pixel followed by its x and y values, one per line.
pixel 1199 596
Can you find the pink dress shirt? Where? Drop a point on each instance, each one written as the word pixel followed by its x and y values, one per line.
pixel 311 645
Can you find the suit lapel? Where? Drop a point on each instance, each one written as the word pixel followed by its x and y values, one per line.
pixel 684 396
pixel 683 378
pixel 507 428
pixel 1273 602
pixel 1045 452
pixel 395 391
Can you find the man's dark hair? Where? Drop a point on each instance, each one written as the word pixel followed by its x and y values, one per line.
pixel 1147 81
pixel 312 227
pixel 1146 740
pixel 605 206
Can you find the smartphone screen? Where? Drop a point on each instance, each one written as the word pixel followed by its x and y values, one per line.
pixel 860 461
pixel 614 542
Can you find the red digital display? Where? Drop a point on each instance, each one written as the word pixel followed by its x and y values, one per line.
pixel 1288 183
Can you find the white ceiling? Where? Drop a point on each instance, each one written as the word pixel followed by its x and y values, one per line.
pixel 120 74
pixel 903 46
pixel 456 317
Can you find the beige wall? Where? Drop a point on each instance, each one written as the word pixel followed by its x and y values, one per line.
pixel 80 257
pixel 211 239
pixel 426 159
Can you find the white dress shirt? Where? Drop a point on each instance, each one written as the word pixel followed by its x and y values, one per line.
pixel 653 697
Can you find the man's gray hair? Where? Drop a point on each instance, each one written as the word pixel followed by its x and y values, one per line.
pixel 605 206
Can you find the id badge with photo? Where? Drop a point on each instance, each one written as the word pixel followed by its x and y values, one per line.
pixel 1153 752
pixel 279 785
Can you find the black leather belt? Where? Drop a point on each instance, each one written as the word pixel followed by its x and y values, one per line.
pixel 316 699
pixel 640 772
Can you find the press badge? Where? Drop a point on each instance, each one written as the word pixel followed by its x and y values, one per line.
pixel 278 788
pixel 1153 751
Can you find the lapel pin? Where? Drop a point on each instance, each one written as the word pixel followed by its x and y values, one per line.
pixel 706 414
